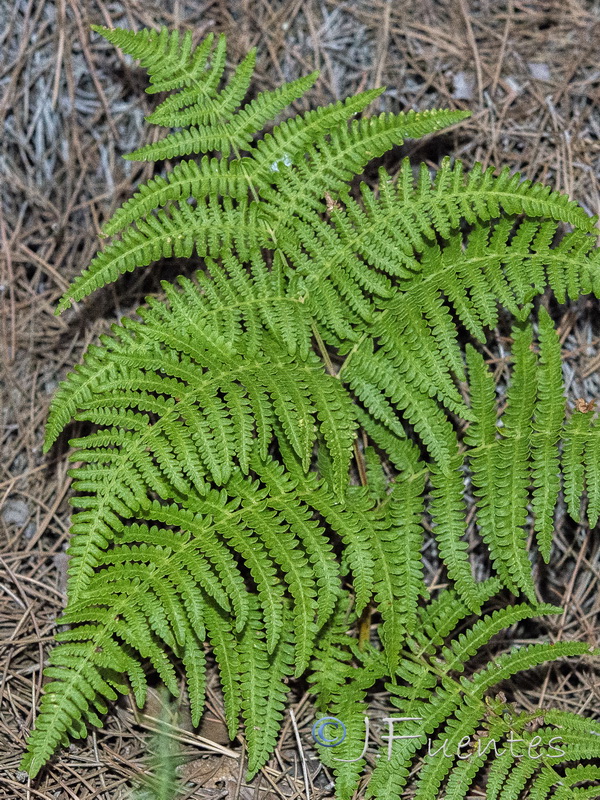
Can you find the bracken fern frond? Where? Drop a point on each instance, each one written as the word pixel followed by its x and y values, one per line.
pixel 268 444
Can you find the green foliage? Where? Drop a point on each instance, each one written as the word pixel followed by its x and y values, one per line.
pixel 161 781
pixel 271 440
pixel 448 725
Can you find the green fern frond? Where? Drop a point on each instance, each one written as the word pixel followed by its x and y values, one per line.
pixel 483 195
pixel 262 688
pixel 592 474
pixel 448 722
pixel 441 616
pixel 210 228
pixel 342 687
pixel 286 497
pixel 580 446
pixel 86 673
pixel 160 780
pixel 291 138
pixel 209 176
pixel 549 415
pixel 465 716
pixel 332 163
pixel 322 344
pixel 206 105
pixel 448 513
pixel 497 468
pixel 197 361
pixel 396 544
pixel 564 789
pixel 513 458
pixel 223 640
pixel 236 178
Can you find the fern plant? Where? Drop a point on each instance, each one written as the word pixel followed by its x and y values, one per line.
pixel 447 723
pixel 223 494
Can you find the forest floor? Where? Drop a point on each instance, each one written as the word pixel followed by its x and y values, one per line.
pixel 70 105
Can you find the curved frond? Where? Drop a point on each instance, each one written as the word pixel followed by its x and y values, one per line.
pixel 211 228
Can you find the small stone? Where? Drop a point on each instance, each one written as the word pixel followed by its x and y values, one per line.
pixel 15 512
pixel 539 70
pixel 464 84
pixel 30 530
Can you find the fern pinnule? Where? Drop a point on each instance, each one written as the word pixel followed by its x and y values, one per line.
pixel 513 461
pixel 580 463
pixel 505 543
pixel 576 435
pixel 396 542
pixel 376 478
pixel 448 514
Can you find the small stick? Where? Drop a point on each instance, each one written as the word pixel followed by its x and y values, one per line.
pixel 301 751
